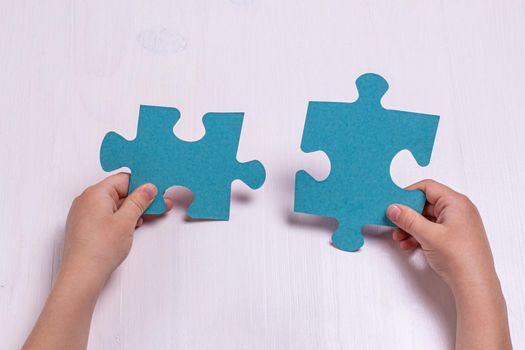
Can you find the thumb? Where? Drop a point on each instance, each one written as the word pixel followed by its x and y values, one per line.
pixel 411 222
pixel 137 202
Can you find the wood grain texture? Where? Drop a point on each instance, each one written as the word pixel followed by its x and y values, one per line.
pixel 268 278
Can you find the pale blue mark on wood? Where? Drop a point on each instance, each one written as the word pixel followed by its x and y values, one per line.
pixel 361 139
pixel 207 167
pixel 160 40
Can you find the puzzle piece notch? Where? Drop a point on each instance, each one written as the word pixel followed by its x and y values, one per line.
pixel 361 139
pixel 228 130
pixel 207 167
pixel 116 151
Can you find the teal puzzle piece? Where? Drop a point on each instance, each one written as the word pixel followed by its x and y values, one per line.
pixel 361 139
pixel 207 167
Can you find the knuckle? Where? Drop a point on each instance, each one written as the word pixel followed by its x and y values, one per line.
pixel 461 197
pixel 123 173
pixel 464 201
pixel 429 181
pixel 440 205
pixel 88 192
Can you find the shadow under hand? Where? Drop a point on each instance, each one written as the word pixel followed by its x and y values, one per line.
pixel 435 294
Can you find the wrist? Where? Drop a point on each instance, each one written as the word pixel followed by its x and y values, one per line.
pixel 88 278
pixel 94 265
pixel 477 288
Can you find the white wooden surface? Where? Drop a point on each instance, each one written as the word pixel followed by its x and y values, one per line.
pixel 268 279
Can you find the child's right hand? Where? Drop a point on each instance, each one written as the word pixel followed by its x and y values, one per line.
pixel 451 233
pixel 455 244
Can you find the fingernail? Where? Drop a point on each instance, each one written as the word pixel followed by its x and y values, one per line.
pixel 150 191
pixel 393 212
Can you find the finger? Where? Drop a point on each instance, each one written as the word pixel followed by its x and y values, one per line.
pixel 118 182
pixel 139 222
pixel 169 206
pixel 137 202
pixel 428 210
pixel 119 202
pixel 433 190
pixel 408 244
pixel 411 222
pixel 399 235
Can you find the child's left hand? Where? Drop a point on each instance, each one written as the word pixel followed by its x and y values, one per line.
pixel 101 223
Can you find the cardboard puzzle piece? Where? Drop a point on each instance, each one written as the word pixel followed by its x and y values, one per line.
pixel 361 139
pixel 207 167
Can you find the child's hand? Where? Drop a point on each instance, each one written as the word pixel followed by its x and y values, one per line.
pixel 450 231
pixel 99 233
pixel 100 225
pixel 455 244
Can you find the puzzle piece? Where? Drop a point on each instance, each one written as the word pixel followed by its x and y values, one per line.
pixel 207 167
pixel 361 139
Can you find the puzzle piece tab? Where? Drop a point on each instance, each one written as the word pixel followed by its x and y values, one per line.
pixel 361 139
pixel 207 167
